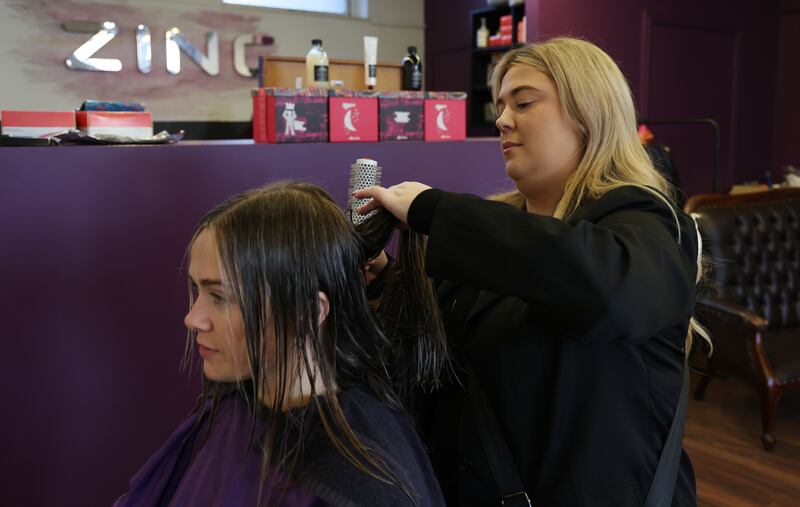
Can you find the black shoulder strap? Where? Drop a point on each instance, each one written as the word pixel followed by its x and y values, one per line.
pixel 666 476
pixel 504 471
pixel 512 490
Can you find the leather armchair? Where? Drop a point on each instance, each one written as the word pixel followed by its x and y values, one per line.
pixel 751 303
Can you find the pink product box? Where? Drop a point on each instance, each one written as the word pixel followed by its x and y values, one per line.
pixel 401 116
pixel 445 116
pixel 37 123
pixel 290 115
pixel 353 116
pixel 136 124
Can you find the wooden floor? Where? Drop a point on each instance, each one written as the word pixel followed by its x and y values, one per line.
pixel 723 439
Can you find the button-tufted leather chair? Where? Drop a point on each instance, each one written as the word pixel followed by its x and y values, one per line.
pixel 752 308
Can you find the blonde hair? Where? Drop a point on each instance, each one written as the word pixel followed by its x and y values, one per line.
pixel 596 101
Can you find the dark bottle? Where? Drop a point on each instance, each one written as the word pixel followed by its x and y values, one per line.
pixel 412 70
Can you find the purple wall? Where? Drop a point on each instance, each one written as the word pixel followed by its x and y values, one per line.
pixel 93 296
pixel 786 131
pixel 448 43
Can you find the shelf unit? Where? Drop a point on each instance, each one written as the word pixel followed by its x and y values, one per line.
pixel 480 111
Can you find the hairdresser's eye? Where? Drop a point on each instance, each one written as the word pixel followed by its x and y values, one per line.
pixel 523 105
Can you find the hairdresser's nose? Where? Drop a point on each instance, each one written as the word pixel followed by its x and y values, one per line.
pixel 197 320
pixel 505 121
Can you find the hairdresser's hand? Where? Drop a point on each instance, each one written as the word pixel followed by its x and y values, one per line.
pixel 375 266
pixel 396 199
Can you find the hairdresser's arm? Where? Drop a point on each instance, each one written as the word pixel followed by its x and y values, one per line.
pixel 616 273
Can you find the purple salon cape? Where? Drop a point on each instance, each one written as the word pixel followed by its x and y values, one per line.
pixel 225 472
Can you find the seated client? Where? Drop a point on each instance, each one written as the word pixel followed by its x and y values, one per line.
pixel 298 406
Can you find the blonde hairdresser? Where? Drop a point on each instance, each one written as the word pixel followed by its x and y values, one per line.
pixel 567 301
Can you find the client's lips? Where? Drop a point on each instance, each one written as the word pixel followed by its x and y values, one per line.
pixel 205 351
pixel 507 145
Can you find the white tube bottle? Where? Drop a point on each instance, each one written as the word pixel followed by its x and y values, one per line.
pixel 317 66
pixel 370 62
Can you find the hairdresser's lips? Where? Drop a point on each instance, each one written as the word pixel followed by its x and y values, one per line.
pixel 205 352
pixel 508 145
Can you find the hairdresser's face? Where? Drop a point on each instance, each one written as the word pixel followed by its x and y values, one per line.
pixel 541 149
pixel 215 315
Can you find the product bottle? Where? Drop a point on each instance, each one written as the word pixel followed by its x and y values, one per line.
pixel 483 35
pixel 317 66
pixel 412 70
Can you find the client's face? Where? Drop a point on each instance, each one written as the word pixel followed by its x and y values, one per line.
pixel 539 145
pixel 215 315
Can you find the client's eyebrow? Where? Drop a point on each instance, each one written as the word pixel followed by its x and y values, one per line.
pixel 206 282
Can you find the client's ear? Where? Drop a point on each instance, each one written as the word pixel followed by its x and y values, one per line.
pixel 324 307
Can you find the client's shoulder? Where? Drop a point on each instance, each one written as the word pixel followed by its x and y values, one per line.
pixel 390 438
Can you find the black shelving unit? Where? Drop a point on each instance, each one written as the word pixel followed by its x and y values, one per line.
pixel 480 121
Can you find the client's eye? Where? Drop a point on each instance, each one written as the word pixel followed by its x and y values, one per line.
pixel 217 298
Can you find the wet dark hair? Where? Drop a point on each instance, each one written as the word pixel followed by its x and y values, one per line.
pixel 407 309
pixel 279 246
